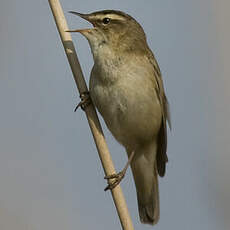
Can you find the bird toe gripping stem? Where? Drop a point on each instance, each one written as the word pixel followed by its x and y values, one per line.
pixel 117 179
pixel 85 101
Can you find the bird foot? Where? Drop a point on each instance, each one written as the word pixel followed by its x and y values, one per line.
pixel 85 101
pixel 117 177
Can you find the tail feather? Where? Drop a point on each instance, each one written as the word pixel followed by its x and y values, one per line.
pixel 146 181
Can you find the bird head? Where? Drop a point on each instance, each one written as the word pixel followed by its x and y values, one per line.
pixel 112 28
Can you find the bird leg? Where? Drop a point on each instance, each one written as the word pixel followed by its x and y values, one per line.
pixel 118 176
pixel 85 101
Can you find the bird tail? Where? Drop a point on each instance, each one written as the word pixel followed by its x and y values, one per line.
pixel 146 181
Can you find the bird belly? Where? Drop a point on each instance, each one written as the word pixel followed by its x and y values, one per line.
pixel 133 116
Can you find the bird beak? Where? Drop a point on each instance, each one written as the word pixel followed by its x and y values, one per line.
pixel 84 16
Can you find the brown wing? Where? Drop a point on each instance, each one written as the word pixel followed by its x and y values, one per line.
pixel 161 156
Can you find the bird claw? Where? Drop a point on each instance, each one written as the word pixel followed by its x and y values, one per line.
pixel 85 101
pixel 117 179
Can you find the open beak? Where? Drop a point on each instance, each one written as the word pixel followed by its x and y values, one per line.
pixel 79 31
pixel 84 16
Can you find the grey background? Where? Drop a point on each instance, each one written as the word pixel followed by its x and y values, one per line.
pixel 50 173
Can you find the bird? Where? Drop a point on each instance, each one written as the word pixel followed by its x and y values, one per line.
pixel 126 87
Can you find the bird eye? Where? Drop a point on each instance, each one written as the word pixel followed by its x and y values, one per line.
pixel 106 20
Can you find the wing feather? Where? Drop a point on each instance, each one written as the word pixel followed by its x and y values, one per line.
pixel 161 156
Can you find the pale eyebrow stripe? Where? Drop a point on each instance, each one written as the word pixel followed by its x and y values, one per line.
pixel 111 16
